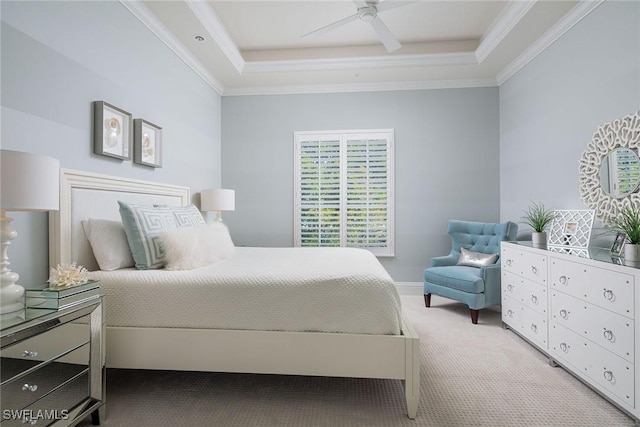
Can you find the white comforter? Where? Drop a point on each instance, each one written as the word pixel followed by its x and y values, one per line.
pixel 279 289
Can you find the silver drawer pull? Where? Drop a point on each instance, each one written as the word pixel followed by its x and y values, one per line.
pixel 28 353
pixel 564 347
pixel 608 294
pixel 510 288
pixel 534 270
pixel 564 314
pixel 608 334
pixel 563 280
pixel 29 387
pixel 509 262
pixel 608 375
pixel 534 328
pixel 534 299
pixel 510 313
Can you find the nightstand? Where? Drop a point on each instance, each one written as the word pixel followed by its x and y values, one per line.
pixel 52 369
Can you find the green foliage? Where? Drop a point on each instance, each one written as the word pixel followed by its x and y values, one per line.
pixel 538 217
pixel 628 222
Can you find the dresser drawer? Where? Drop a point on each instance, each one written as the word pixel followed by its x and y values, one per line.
pixel 512 313
pixel 534 327
pixel 41 413
pixel 22 390
pixel 609 330
pixel 605 288
pixel 529 293
pixel 532 266
pixel 51 343
pixel 609 372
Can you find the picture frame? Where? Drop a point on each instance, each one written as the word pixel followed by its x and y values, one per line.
pixel 112 131
pixel 147 142
pixel 618 245
pixel 571 229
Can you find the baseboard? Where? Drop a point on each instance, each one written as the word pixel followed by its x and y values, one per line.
pixel 410 288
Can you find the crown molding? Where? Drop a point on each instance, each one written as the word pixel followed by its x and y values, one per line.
pixel 458 58
pixel 501 27
pixel 575 15
pixel 145 16
pixel 359 87
pixel 216 29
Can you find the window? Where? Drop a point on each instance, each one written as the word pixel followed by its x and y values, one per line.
pixel 344 189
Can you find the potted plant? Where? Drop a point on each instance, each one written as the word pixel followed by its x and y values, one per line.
pixel 628 222
pixel 538 217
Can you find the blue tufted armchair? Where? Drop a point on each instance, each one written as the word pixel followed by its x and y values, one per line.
pixel 477 287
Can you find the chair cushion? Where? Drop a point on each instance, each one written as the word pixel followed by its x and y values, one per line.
pixel 466 279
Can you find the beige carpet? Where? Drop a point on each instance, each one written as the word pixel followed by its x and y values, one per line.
pixel 471 375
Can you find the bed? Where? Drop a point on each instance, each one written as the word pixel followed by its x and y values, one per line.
pixel 138 339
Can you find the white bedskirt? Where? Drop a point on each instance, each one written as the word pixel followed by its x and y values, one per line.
pixel 271 289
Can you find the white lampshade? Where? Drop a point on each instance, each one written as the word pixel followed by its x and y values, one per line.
pixel 217 200
pixel 30 182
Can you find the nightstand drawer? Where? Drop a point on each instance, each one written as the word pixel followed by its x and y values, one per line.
pixel 51 343
pixel 22 390
pixel 55 406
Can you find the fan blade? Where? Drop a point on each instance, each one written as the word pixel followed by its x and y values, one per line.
pixel 386 36
pixel 361 3
pixel 330 27
pixel 388 5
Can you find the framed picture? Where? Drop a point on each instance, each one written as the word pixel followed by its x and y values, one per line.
pixel 112 131
pixel 571 229
pixel 618 245
pixel 147 142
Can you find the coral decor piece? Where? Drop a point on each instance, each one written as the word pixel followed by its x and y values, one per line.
pixel 67 275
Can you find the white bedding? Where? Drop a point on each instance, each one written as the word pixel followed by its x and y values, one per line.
pixel 279 289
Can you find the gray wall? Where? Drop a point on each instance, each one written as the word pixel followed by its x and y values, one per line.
pixel 550 109
pixel 446 162
pixel 59 57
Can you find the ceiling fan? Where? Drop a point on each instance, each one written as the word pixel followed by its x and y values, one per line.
pixel 368 12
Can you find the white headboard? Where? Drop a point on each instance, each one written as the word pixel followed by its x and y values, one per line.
pixel 85 195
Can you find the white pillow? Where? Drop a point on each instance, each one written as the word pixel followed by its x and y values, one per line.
pixel 187 248
pixel 109 243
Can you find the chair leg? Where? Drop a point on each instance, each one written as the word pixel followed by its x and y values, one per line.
pixel 427 300
pixel 474 316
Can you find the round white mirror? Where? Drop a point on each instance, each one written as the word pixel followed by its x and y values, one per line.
pixel 620 172
pixel 599 188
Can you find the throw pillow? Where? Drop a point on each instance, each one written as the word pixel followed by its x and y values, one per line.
pixel 144 224
pixel 476 259
pixel 194 247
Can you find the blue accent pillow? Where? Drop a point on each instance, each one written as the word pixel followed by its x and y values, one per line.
pixel 144 225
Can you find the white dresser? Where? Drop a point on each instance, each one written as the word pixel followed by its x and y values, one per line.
pixel 581 312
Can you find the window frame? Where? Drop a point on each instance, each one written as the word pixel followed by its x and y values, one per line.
pixel 343 136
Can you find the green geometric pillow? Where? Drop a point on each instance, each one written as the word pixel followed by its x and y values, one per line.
pixel 143 225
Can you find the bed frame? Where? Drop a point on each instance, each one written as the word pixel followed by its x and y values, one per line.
pixel 87 195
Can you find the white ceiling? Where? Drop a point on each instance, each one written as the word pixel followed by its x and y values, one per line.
pixel 255 47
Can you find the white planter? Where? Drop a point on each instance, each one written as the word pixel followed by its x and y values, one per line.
pixel 632 255
pixel 539 239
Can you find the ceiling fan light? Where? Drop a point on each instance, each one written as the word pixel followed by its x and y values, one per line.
pixel 367 14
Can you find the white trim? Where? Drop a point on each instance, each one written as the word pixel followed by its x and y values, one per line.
pixel 144 15
pixel 501 27
pixel 410 288
pixel 359 87
pixel 216 29
pixel 353 63
pixel 575 15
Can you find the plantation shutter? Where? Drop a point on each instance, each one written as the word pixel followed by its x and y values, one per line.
pixel 344 187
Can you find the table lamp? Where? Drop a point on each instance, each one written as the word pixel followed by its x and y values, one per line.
pixel 29 182
pixel 218 200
